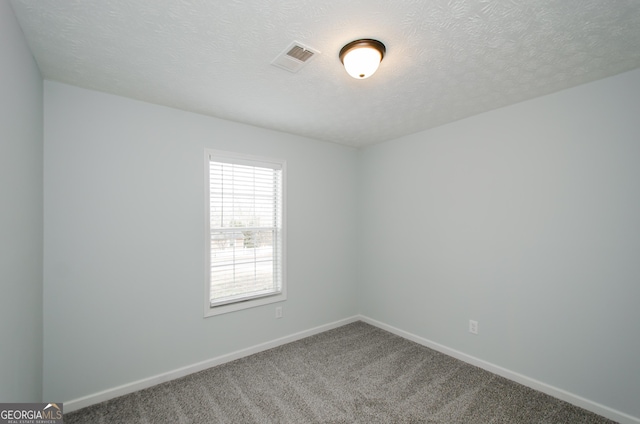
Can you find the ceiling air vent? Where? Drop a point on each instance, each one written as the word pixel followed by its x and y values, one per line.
pixel 294 57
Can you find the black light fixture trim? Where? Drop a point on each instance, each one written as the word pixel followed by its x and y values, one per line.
pixel 364 42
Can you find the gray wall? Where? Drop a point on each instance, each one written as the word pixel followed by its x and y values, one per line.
pixel 20 216
pixel 124 240
pixel 526 219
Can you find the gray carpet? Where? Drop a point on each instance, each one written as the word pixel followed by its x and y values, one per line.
pixel 353 374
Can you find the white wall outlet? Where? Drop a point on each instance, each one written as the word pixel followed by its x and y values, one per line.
pixel 278 311
pixel 473 326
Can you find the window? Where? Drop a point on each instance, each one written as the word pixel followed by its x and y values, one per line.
pixel 245 226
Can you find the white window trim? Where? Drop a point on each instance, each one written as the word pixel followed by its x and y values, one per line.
pixel 248 303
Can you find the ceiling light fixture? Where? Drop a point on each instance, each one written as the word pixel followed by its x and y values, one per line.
pixel 361 58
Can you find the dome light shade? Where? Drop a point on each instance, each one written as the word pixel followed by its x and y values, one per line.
pixel 361 58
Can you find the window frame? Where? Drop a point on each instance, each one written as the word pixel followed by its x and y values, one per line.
pixel 249 301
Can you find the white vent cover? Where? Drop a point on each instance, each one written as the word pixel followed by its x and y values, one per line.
pixel 294 57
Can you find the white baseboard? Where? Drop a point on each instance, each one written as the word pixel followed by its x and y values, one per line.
pixel 92 399
pixel 571 398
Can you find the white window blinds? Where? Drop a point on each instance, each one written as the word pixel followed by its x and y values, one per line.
pixel 246 229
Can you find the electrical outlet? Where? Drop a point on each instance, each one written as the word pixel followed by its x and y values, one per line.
pixel 278 311
pixel 473 326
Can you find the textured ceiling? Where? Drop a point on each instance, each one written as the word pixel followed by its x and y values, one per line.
pixel 446 59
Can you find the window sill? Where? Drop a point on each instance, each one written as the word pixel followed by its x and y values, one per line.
pixel 238 306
